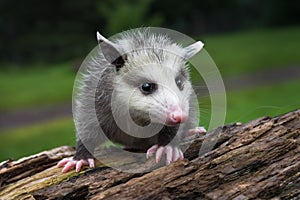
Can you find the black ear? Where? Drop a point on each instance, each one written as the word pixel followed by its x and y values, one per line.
pixel 119 62
pixel 110 52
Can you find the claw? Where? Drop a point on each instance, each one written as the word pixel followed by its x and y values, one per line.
pixel 70 163
pixel 172 153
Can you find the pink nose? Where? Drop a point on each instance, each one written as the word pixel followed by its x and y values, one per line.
pixel 177 117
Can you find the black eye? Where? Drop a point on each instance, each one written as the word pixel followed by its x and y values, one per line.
pixel 148 88
pixel 179 83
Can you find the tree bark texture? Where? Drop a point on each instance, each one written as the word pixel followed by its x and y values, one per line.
pixel 256 160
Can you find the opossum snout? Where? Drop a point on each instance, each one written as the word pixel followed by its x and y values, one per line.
pixel 176 116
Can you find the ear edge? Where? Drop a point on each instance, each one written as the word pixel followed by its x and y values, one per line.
pixel 100 38
pixel 109 48
pixel 193 49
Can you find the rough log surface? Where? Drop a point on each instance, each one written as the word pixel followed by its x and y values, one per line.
pixel 256 160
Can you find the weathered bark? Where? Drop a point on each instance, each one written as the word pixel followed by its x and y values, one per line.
pixel 256 160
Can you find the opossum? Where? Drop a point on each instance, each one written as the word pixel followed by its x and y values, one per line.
pixel 139 80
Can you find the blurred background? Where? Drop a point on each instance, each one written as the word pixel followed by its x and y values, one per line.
pixel 255 44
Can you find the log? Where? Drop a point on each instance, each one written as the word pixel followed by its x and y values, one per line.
pixel 256 160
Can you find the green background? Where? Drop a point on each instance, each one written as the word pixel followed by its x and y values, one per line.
pixel 44 42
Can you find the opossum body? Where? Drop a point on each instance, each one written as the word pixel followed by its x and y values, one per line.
pixel 135 85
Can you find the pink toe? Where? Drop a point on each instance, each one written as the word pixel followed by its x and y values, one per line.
pixel 169 154
pixel 196 131
pixel 68 166
pixel 176 154
pixel 159 154
pixel 151 151
pixel 172 153
pixel 62 162
pixel 201 129
pixel 79 165
pixel 91 163
pixel 180 155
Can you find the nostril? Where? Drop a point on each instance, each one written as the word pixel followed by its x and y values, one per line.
pixel 176 118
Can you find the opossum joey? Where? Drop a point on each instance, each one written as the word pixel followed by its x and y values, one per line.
pixel 142 78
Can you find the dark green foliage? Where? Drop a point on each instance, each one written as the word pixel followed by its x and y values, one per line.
pixel 54 31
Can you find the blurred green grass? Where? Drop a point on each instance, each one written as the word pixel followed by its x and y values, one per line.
pixel 244 52
pixel 249 104
pixel 32 139
pixel 35 86
pixel 271 100
pixel 234 54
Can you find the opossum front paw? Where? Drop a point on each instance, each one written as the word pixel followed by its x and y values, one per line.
pixel 172 153
pixel 196 131
pixel 70 163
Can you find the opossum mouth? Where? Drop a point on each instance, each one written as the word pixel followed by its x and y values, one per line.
pixel 172 124
pixel 143 118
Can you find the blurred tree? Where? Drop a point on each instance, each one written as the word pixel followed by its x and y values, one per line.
pixel 46 30
pixel 122 15
pixel 279 13
pixel 55 31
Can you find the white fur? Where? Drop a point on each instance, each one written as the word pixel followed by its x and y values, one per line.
pixel 155 58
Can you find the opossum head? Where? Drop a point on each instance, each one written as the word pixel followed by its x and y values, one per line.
pixel 151 77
